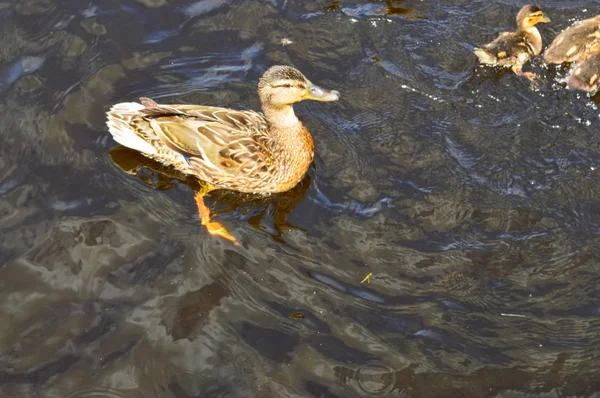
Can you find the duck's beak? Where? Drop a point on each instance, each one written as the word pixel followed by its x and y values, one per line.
pixel 316 93
pixel 545 19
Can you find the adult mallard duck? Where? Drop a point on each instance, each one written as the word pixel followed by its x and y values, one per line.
pixel 513 49
pixel 580 44
pixel 243 151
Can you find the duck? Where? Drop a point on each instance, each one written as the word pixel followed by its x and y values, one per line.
pixel 579 44
pixel 514 49
pixel 239 150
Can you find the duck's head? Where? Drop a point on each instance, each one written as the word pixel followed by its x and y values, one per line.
pixel 529 16
pixel 283 85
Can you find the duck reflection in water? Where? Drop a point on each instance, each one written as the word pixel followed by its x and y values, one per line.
pixel 271 212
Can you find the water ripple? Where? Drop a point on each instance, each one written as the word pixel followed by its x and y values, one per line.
pixel 469 197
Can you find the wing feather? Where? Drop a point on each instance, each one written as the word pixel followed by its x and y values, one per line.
pixel 219 142
pixel 509 47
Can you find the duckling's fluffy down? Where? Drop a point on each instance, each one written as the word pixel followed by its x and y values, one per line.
pixel 485 57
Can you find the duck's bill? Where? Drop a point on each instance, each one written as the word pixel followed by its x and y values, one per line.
pixel 316 93
pixel 545 19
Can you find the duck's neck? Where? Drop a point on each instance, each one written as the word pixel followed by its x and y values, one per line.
pixel 292 142
pixel 534 37
pixel 281 118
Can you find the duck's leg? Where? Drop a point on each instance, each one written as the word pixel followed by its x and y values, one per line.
pixel 535 80
pixel 214 228
pixel 518 69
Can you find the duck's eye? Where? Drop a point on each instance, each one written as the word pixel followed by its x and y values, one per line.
pixel 282 85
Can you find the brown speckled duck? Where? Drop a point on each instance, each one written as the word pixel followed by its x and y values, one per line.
pixel 580 44
pixel 513 49
pixel 243 151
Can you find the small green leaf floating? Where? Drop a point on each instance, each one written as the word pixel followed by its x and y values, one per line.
pixel 367 278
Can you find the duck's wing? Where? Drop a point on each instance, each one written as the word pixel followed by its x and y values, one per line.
pixel 215 141
pixel 509 48
pixel 574 42
pixel 585 75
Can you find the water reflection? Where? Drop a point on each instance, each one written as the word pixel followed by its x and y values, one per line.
pixel 468 195
pixel 265 213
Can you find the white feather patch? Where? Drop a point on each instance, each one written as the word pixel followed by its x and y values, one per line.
pixel 119 117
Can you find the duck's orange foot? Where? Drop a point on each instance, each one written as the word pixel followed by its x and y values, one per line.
pixel 531 76
pixel 214 228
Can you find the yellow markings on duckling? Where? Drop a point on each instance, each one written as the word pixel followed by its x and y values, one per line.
pixel 367 278
pixel 502 54
pixel 572 50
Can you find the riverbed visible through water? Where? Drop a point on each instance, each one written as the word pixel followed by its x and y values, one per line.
pixel 471 197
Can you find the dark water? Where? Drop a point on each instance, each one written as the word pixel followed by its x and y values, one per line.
pixel 471 197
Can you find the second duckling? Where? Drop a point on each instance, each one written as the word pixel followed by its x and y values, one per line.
pixel 513 49
pixel 581 44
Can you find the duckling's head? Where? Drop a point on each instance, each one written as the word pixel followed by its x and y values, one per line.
pixel 281 86
pixel 529 16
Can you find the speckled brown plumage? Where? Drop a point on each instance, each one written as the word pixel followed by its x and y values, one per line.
pixel 580 44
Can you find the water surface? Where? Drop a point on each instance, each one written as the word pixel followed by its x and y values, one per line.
pixel 470 196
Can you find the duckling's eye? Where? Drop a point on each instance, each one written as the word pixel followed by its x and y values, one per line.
pixel 287 86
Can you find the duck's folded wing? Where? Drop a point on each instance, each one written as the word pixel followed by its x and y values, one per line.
pixel 572 43
pixel 219 139
pixel 245 122
pixel 510 45
pixel 585 76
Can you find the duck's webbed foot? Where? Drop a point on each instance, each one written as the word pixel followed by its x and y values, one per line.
pixel 532 77
pixel 214 228
pixel 518 69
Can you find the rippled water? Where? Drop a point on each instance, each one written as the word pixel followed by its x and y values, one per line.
pixel 470 196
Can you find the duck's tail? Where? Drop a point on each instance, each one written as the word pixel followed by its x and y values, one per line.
pixel 484 56
pixel 119 125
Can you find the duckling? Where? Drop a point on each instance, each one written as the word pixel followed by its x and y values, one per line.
pixel 580 44
pixel 513 49
pixel 230 149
